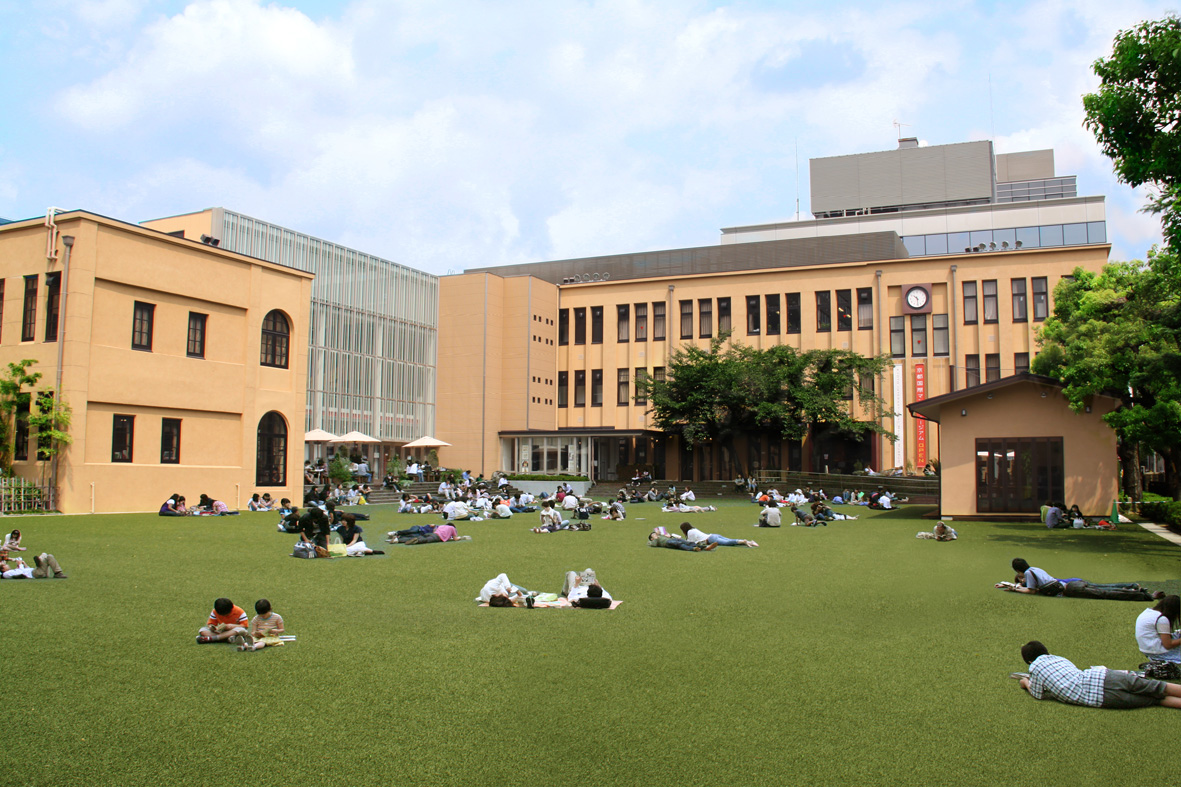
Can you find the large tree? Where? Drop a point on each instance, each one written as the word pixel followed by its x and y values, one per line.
pixel 728 390
pixel 1136 114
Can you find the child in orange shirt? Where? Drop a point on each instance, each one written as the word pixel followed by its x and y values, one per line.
pixel 227 622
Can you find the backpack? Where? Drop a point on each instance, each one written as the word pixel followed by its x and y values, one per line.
pixel 303 549
pixel 1162 670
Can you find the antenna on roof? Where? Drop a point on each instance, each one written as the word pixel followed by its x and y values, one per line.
pixel 898 130
pixel 797 178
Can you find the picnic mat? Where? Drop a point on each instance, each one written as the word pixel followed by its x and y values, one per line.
pixel 561 603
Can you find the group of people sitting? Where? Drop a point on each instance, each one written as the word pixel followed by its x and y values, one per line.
pixel 1055 515
pixel 13 566
pixel 227 623
pixel 175 505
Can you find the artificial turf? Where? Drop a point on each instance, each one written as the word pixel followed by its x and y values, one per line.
pixel 847 654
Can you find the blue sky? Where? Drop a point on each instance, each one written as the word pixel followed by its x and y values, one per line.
pixel 447 135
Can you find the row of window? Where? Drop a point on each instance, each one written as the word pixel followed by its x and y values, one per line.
pixel 624 380
pixel 123 440
pixel 992 367
pixel 987 297
pixel 53 292
pixel 276 334
pixel 1045 236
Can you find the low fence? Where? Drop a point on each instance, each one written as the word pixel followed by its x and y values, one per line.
pixel 17 495
pixel 919 489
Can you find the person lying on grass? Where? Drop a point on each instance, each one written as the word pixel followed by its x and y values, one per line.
pixel 264 629
pixel 821 510
pixel 684 508
pixel 941 532
pixel 501 592
pixel 671 542
pixel 580 589
pixel 1030 579
pixel 1056 678
pixel 15 568
pixel 226 622
pixel 697 536
pixel 444 532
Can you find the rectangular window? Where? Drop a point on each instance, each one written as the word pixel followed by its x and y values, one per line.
pixel 1041 303
pixel 918 335
pixel 563 326
pixel 20 448
pixel 705 318
pixel 624 394
pixel 580 325
pixel 170 441
pixel 940 346
pixel 658 322
pixel 1016 474
pixel 898 337
pixel 686 319
pixel 988 290
pixel 1 302
pixel 53 302
pixel 971 371
pixel 141 326
pixel 580 388
pixel 723 315
pixel 865 308
pixel 196 343
pixel 625 323
pixel 970 316
pixel 1019 312
pixel 641 322
pixel 122 438
pixel 992 367
pixel 844 310
pixel 658 374
pixel 563 390
pixel 773 314
pixel 754 320
pixel 1020 363
pixel 596 324
pixel 641 394
pixel 823 311
pixel 596 387
pixel 29 322
pixel 793 312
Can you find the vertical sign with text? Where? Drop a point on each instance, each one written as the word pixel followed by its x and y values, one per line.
pixel 899 421
pixel 920 425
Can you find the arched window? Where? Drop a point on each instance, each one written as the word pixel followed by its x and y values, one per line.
pixel 276 338
pixel 272 451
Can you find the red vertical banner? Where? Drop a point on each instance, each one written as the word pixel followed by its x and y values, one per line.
pixel 920 427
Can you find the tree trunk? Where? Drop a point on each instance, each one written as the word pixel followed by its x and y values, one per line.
pixel 1132 480
pixel 1172 476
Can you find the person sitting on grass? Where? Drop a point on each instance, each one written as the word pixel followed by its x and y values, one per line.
pixel 169 507
pixel 616 512
pixel 1155 631
pixel 941 532
pixel 1056 678
pixel 551 519
pixel 698 536
pixel 227 623
pixel 769 517
pixel 12 542
pixel 350 534
pixel 501 509
pixel 804 517
pixel 655 539
pixel 15 568
pixel 1030 579
pixel 265 628
pixel 314 528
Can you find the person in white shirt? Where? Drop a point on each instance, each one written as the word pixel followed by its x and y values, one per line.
pixel 526 499
pixel 688 495
pixel 500 587
pixel 1155 634
pixel 570 502
pixel 551 519
pixel 500 510
pixel 770 515
pixel 700 537
pixel 457 509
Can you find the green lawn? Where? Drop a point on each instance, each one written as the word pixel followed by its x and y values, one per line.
pixel 848 654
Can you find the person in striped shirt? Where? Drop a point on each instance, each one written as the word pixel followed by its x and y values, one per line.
pixel 227 623
pixel 1056 678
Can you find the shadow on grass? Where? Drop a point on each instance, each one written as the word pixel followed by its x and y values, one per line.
pixel 1035 535
pixel 909 512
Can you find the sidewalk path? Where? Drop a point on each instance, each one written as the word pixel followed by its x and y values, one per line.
pixel 1164 533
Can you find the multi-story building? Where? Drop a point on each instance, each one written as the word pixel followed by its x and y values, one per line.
pixel 943 258
pixel 184 365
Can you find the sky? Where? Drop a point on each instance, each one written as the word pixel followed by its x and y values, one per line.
pixel 454 134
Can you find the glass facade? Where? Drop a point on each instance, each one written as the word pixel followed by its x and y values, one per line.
pixel 1080 234
pixel 373 343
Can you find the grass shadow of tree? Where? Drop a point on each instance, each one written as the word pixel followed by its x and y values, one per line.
pixel 1036 535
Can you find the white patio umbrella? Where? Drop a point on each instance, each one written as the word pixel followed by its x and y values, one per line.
pixel 354 437
pixel 426 442
pixel 318 436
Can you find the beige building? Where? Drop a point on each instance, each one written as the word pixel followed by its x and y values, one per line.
pixel 185 365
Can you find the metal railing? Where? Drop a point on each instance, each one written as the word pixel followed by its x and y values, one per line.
pixel 18 494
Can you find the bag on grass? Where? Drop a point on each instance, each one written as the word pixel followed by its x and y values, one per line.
pixel 304 550
pixel 1054 588
pixel 1162 670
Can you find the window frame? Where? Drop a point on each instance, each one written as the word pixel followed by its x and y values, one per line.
pixel 563 389
pixel 918 336
pixel 773 313
pixel 170 427
pixel 705 318
pixel 275 344
pixel 641 321
pixel 971 370
pixel 127 423
pixel 1020 363
pixel 897 337
pixel 754 316
pixel 1041 298
pixel 596 388
pixel 794 311
pixel 580 325
pixel 596 324
pixel 29 311
pixel 623 387
pixel 143 323
pixel 579 388
pixel 845 311
pixel 992 367
pixel 53 302
pixel 623 322
pixel 724 316
pixel 641 373
pixel 940 335
pixel 659 321
pixel 686 318
pixel 865 308
pixel 971 304
pixel 823 311
pixel 1020 302
pixel 563 327
pixel 990 299
pixel 195 338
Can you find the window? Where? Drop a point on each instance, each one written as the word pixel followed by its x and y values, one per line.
pixel 970 316
pixel 563 326
pixel 1020 363
pixel 625 324
pixel 29 322
pixel 1041 308
pixel 170 441
pixel 624 394
pixel 122 438
pixel 641 322
pixel 580 325
pixel 53 302
pixel 658 374
pixel 596 387
pixel 1015 474
pixel 971 370
pixel 686 319
pixel 992 367
pixel 641 377
pixel 773 314
pixel 20 449
pixel 271 459
pixel 793 312
pixel 276 337
pixel 196 343
pixel 988 289
pixel 705 318
pixel 864 308
pixel 141 326
pixel 823 311
pixel 580 388
pixel 754 320
pixel 1 302
pixel 563 382
pixel 940 345
pixel 918 335
pixel 844 310
pixel 596 324
pixel 723 315
pixel 1019 312
pixel 898 337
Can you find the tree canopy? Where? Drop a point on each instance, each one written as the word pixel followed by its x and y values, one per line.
pixel 731 389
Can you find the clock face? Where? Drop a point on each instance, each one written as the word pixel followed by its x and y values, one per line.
pixel 916 297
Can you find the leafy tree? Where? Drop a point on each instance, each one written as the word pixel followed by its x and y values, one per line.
pixel 1136 114
pixel 730 390
pixel 338 468
pixel 14 401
